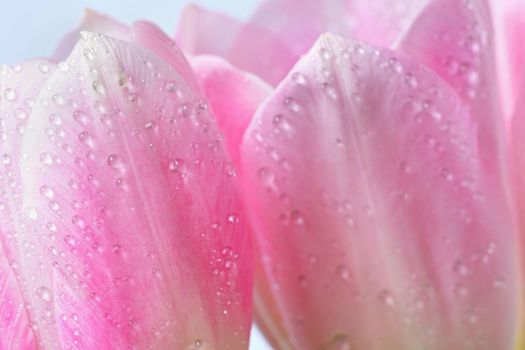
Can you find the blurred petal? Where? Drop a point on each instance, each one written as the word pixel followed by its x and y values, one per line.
pixel 92 22
pixel 135 236
pixel 379 226
pixel 234 96
pixel 201 31
pixel 517 133
pixel 510 31
pixel 19 87
pixel 281 31
pixel 456 40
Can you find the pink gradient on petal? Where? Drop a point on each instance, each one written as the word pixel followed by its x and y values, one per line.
pixel 19 87
pixel 456 39
pixel 375 217
pixel 199 30
pixel 134 221
pixel 280 31
pixel 234 97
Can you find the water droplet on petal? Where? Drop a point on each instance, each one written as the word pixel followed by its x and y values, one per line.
pixel 386 298
pixel 44 294
pixel 43 67
pixel 20 114
pixel 6 159
pixel 98 87
pixel 175 164
pixel 116 162
pixel 297 217
pixel 31 213
pixel 291 104
pixel 299 78
pixel 46 158
pixel 58 99
pixel 10 94
pixel 47 192
pixel 233 218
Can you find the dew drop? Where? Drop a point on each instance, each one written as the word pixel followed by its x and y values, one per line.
pixel 55 119
pixel 291 104
pixel 10 94
pixel 175 165
pixel 297 217
pixel 325 54
pixel 115 162
pixel 299 78
pixel 447 175
pixel 46 158
pixel 86 139
pixel 43 67
pixel 98 87
pixel 64 67
pixel 386 298
pixel 47 192
pixel 329 90
pixel 171 87
pixel 233 218
pixel 31 213
pixel 81 117
pixel 58 99
pixel 342 272
pixel 44 294
pixel 20 114
pixel 6 159
pixel 78 221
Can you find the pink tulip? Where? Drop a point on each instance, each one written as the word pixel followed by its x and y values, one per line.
pixel 122 225
pixel 378 168
pixel 380 181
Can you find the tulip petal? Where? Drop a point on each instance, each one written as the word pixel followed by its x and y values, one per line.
pixel 15 330
pixel 456 40
pixel 92 22
pixel 379 226
pixel 19 87
pixel 202 31
pixel 281 31
pixel 234 96
pixel 134 233
pixel 509 25
pixel 517 134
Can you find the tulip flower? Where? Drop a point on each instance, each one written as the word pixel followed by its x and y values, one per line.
pixel 371 148
pixel 122 223
pixel 378 175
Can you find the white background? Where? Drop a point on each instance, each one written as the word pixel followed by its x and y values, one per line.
pixel 32 28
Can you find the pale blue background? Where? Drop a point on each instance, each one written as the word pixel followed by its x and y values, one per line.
pixel 33 28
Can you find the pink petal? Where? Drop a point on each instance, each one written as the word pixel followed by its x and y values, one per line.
pixel 151 37
pixel 134 232
pixel 456 40
pixel 517 135
pixel 92 22
pixel 509 25
pixel 201 31
pixel 378 224
pixel 19 87
pixel 281 31
pixel 15 331
pixel 234 97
